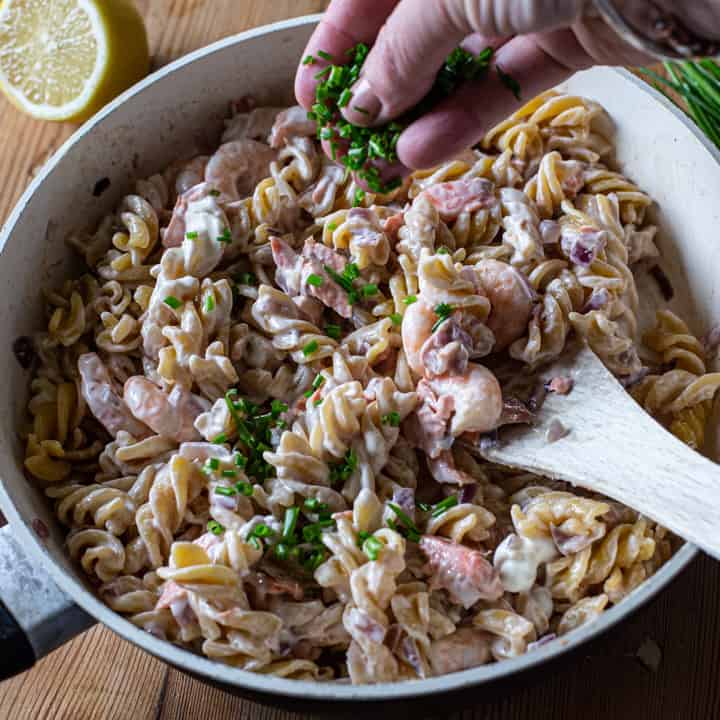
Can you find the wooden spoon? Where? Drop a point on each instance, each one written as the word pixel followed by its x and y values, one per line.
pixel 614 447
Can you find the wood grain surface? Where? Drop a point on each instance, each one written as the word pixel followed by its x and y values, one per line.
pixel 662 664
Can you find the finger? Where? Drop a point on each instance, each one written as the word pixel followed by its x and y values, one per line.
pixel 420 34
pixel 403 63
pixel 463 119
pixel 344 25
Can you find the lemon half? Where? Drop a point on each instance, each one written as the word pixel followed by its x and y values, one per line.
pixel 65 59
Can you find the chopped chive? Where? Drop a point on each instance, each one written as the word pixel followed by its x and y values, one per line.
pixel 410 299
pixel 359 197
pixel 332 226
pixel 314 505
pixel 333 331
pixel 363 535
pixel 277 408
pixel 213 463
pixel 325 56
pixel 396 318
pixel 281 551
pixel 214 193
pixel 392 419
pixel 443 311
pixel 314 280
pixel 172 302
pixel 255 543
pixel 318 381
pixel 310 348
pixel 215 527
pixel 442 250
pixel 261 530
pixel 372 547
pixel 240 460
pixel 209 303
pixel 309 60
pixel 191 235
pixel 361 110
pixel 227 491
pixel 244 488
pixel 291 517
pixel 219 439
pixel 369 290
pixel 351 271
pixel 325 71
pixel 247 278
pixel 326 133
pixel 444 506
pixel 345 98
pixel 317 402
pixel 229 473
pixel 411 529
pixel 226 237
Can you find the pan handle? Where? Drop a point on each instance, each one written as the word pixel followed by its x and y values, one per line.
pixel 36 616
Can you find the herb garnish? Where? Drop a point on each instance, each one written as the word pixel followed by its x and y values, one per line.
pixel 409 529
pixel 367 145
pixel 443 311
pixel 341 471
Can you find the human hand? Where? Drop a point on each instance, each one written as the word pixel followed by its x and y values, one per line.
pixel 538 42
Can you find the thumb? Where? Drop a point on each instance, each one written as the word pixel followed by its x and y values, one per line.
pixel 418 36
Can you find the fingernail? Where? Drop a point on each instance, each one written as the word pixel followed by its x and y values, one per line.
pixel 365 105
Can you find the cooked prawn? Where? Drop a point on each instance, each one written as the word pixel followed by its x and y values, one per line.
pixel 171 416
pixel 477 399
pixel 237 167
pixel 104 402
pixel 455 404
pixel 511 298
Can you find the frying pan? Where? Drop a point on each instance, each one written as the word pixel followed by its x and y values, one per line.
pixel 46 600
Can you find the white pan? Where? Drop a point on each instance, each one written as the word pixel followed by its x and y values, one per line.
pixel 142 132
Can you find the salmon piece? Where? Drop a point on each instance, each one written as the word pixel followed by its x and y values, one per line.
pixel 104 402
pixel 463 572
pixel 459 196
pixel 293 272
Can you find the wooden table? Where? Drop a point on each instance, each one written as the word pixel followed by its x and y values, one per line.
pixel 99 676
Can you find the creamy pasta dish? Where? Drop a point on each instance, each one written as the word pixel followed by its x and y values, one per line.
pixel 258 412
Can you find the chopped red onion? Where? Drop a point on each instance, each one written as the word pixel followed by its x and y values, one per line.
pixel 582 245
pixel 598 300
pixel 569 544
pixel 550 232
pixel 562 385
pixel 225 501
pixel 405 499
pixel 556 431
pixel 467 494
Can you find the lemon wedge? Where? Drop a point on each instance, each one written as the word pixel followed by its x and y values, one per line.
pixel 65 59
